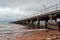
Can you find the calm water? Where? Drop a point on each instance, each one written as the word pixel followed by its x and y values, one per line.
pixel 8 30
pixel 42 22
pixel 2 22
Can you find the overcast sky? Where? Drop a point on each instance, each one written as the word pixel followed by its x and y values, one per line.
pixel 11 10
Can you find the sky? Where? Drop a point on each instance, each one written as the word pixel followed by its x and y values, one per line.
pixel 12 10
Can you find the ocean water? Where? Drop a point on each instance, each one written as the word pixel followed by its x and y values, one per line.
pixel 7 30
pixel 42 22
pixel 3 22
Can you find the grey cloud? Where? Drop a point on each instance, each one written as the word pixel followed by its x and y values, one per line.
pixel 17 2
pixel 27 6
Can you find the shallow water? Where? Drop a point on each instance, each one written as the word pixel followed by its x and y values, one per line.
pixel 7 31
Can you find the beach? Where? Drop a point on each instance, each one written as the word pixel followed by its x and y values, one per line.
pixel 20 32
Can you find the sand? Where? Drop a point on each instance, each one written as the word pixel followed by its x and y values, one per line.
pixel 39 35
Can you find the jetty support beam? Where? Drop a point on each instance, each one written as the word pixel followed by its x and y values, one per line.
pixel 38 22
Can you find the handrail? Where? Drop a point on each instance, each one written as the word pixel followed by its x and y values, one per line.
pixel 48 9
pixel 54 7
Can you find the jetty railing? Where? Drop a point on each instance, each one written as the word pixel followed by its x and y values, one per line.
pixel 44 11
pixel 50 9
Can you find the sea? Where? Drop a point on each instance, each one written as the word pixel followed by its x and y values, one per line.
pixel 7 30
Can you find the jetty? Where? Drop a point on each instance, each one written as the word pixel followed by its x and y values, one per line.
pixel 51 13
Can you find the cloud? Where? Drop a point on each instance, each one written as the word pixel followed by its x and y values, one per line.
pixel 20 9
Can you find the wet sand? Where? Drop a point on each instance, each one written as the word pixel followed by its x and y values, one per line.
pixel 20 32
pixel 38 35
